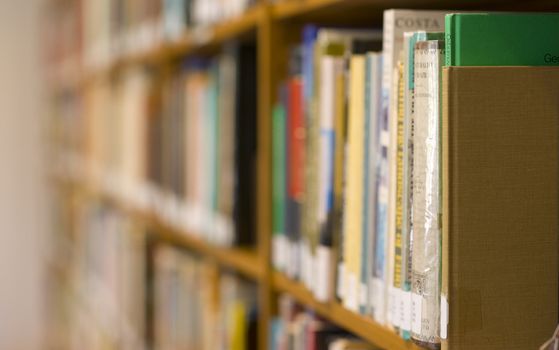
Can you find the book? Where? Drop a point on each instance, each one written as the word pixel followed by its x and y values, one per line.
pixel 340 128
pixel 501 39
pixel 310 74
pixel 174 18
pixel 499 176
pixel 426 259
pixel 353 209
pixel 279 120
pixel 332 65
pixel 245 146
pixel 296 152
pixel 404 304
pixel 372 140
pixel 398 318
pixel 227 76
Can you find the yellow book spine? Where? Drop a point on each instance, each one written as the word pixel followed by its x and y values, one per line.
pixel 354 184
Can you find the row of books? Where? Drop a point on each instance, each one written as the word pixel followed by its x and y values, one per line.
pixel 95 32
pixel 187 138
pixel 97 293
pixel 202 143
pixel 357 157
pixel 298 329
pixel 196 307
pixel 116 283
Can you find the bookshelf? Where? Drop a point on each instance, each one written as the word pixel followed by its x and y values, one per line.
pixel 273 26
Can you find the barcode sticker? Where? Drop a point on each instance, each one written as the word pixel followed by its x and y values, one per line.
pixel 416 310
pixel 341 281
pixel 391 316
pixel 400 308
pixel 406 311
pixel 372 295
pixel 384 138
pixel 379 304
pixel 351 291
pixel 322 289
pixel 444 317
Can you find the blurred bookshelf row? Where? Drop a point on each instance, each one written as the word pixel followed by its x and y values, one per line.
pixel 244 174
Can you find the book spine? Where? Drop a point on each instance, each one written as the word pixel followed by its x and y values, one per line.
pixel 354 169
pixel 215 122
pixel 296 151
pixel 449 43
pixel 448 96
pixel 330 67
pixel 397 279
pixel 365 233
pixel 407 234
pixel 339 178
pixel 373 156
pixel 279 191
pixel 311 76
pixel 426 259
pixel 245 147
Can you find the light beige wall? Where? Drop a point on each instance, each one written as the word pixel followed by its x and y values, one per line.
pixel 22 219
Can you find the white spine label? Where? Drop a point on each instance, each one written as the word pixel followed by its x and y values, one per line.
pixel 351 291
pixel 416 307
pixel 392 309
pixel 406 308
pixel 322 289
pixel 444 317
pixel 341 281
pixel 363 295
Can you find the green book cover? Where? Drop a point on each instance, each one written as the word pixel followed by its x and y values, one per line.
pixel 502 39
pixel 279 160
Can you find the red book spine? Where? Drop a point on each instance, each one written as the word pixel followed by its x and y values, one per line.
pixel 296 139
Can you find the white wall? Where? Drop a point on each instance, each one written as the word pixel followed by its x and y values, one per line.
pixel 22 219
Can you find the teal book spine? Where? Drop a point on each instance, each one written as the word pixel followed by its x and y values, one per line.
pixel 502 39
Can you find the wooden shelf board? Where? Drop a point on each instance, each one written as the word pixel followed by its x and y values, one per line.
pixel 359 325
pixel 369 12
pixel 242 260
pixel 198 39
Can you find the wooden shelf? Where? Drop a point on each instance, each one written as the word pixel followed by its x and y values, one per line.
pixel 198 39
pixel 369 12
pixel 242 260
pixel 359 325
